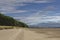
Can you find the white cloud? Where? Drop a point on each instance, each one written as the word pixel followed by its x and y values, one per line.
pixel 36 20
pixel 41 16
pixel 42 1
pixel 34 1
pixel 15 11
pixel 8 5
pixel 44 12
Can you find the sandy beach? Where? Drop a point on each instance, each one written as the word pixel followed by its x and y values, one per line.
pixel 42 34
pixel 30 34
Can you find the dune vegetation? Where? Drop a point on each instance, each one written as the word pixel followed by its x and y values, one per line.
pixel 11 22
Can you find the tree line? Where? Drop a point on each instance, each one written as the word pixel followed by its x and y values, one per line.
pixel 9 21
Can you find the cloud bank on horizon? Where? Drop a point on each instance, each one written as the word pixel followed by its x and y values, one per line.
pixel 32 11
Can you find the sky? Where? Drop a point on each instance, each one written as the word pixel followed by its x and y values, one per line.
pixel 32 11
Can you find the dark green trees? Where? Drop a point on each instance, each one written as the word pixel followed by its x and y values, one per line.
pixel 9 21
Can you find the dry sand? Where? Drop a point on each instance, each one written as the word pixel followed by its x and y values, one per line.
pixel 30 34
pixel 9 34
pixel 42 34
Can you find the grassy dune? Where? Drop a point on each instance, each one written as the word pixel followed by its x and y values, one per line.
pixel 8 27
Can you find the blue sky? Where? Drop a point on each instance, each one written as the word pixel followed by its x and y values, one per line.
pixel 32 11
